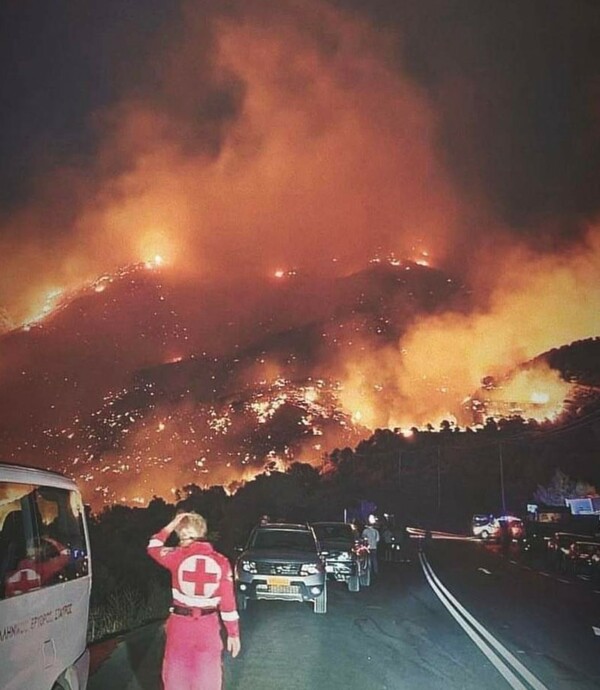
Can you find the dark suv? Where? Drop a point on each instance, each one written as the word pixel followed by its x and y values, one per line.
pixel 281 561
pixel 346 556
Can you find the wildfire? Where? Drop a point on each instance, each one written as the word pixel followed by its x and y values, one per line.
pixel 280 273
pixel 266 409
pixel 156 262
pixel 540 398
pixel 50 302
pixel 423 258
pixel 538 393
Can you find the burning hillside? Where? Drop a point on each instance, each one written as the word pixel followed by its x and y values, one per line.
pixel 132 454
pixel 286 394
pixel 101 413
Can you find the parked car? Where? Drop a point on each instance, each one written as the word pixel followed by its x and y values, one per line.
pixel 281 561
pixel 491 527
pixel 345 554
pixel 45 581
pixel 514 526
pixel 559 546
pixel 583 558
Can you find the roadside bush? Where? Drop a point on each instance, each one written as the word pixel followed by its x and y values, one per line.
pixel 124 608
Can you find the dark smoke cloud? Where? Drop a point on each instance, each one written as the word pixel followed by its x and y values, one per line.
pixel 243 137
pixel 257 135
pixel 516 90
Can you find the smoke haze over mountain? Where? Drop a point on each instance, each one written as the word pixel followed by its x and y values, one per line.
pixel 245 146
pixel 246 136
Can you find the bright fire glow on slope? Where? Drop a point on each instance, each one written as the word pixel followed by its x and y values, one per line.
pixel 536 304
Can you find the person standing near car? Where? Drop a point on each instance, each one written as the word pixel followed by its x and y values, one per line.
pixel 371 535
pixel 387 539
pixel 203 596
pixel 505 538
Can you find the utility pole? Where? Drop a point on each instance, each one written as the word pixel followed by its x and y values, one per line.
pixel 439 480
pixel 502 495
pixel 400 468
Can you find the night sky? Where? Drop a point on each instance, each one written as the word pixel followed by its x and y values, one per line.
pixel 213 126
pixel 239 142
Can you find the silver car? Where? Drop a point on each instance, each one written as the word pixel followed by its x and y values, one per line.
pixel 281 561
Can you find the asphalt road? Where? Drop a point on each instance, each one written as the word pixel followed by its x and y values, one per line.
pixel 459 616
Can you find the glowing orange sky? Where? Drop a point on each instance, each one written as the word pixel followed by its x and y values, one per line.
pixel 329 154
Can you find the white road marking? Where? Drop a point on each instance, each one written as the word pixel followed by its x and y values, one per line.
pixel 486 642
pixel 596 630
pixel 484 571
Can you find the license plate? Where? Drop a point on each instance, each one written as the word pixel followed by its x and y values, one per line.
pixel 278 581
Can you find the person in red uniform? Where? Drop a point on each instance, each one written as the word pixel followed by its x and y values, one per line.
pixel 203 596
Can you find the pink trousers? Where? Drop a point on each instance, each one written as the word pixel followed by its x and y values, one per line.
pixel 193 653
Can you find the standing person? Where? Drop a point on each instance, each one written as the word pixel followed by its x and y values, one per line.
pixel 388 539
pixel 505 538
pixel 203 596
pixel 371 534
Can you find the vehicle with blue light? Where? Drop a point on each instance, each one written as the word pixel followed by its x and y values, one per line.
pixel 485 527
pixel 489 527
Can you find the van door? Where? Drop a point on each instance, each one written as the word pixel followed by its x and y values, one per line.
pixel 44 584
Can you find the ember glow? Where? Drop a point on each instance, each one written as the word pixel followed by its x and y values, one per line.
pixel 156 451
pixel 285 224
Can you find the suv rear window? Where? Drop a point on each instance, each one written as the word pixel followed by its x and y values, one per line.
pixel 336 532
pixel 283 539
pixel 481 520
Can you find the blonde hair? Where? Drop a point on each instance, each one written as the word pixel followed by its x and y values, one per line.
pixel 192 523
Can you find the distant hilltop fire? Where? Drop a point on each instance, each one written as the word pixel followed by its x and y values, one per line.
pixel 532 392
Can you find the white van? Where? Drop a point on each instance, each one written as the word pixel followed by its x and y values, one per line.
pixel 45 582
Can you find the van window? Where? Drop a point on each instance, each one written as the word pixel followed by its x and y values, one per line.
pixel 42 538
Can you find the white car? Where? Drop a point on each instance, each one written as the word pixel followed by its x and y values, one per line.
pixel 485 526
pixel 45 582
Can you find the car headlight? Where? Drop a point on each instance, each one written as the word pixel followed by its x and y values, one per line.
pixel 248 566
pixel 311 569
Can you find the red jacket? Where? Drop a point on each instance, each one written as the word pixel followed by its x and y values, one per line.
pixel 200 577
